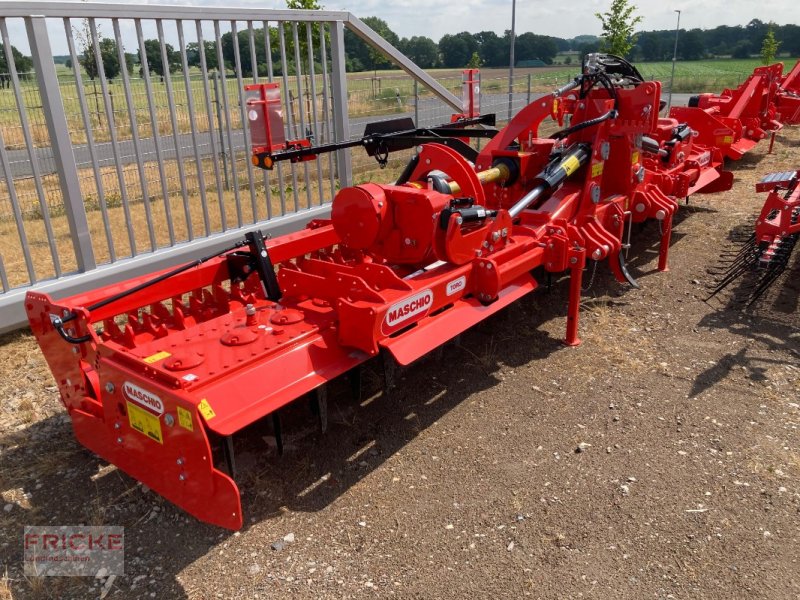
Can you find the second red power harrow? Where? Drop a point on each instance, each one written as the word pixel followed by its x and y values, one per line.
pixel 159 373
pixel 737 119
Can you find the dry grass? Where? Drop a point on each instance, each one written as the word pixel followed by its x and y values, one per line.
pixel 5 587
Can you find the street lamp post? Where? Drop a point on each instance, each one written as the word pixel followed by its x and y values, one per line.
pixel 674 60
pixel 511 58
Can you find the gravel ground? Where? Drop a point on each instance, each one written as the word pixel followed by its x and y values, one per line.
pixel 660 459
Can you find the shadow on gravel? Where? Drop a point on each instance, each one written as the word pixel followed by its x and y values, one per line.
pixel 772 321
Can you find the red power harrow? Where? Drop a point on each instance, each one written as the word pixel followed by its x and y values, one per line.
pixel 160 372
pixel 788 98
pixel 736 120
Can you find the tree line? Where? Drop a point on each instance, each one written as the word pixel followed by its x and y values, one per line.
pixel 736 41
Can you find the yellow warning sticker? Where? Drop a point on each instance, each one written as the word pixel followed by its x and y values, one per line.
pixel 157 356
pixel 145 422
pixel 723 140
pixel 597 169
pixel 635 157
pixel 205 409
pixel 185 419
pixel 571 165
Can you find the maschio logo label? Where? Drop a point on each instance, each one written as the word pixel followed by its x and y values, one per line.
pixel 143 397
pixel 456 286
pixel 704 159
pixel 405 310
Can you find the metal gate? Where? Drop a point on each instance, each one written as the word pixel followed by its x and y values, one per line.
pixel 123 142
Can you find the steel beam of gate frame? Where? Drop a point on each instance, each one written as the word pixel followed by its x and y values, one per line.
pixel 89 273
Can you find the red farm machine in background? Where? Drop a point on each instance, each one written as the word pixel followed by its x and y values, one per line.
pixel 159 373
pixel 788 97
pixel 765 255
pixel 736 120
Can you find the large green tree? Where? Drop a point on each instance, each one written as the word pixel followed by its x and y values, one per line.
pixel 23 64
pixel 422 50
pixel 457 49
pixel 155 62
pixel 618 23
pixel 362 57
pixel 109 58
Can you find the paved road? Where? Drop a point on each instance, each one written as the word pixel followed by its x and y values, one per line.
pixel 432 112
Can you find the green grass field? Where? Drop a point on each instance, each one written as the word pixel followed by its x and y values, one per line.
pixel 369 94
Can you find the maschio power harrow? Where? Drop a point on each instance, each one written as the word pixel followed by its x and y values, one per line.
pixel 160 372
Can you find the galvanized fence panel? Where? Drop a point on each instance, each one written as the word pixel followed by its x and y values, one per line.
pixel 134 153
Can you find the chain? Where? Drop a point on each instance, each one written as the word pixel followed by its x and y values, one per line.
pixel 591 279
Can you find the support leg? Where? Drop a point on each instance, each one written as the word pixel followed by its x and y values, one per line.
pixel 575 282
pixel 666 234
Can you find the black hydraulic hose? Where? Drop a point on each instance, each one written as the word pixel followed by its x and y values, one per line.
pixel 58 325
pixel 612 114
pixel 58 322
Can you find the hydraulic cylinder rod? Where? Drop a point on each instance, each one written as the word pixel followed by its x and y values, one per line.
pixel 500 172
pixel 554 174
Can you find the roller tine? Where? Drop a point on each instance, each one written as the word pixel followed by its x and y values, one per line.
pixel 355 377
pixel 320 403
pixel 276 428
pixel 389 373
pixel 227 450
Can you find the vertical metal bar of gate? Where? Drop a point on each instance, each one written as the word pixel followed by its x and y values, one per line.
pixel 289 108
pixel 270 78
pixel 201 178
pixel 173 118
pixel 137 150
pixel 226 109
pixel 341 119
pixel 243 116
pixel 330 137
pixel 112 129
pixel 314 115
pixel 15 208
pixel 152 109
pixel 90 144
pixel 26 134
pixel 254 62
pixel 60 142
pixel 298 76
pixel 201 45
